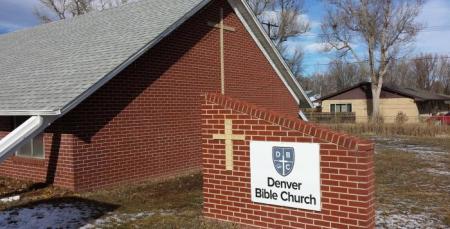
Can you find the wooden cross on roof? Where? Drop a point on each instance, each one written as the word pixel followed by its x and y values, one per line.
pixel 220 25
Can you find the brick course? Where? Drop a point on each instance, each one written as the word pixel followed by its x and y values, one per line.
pixel 347 169
pixel 146 122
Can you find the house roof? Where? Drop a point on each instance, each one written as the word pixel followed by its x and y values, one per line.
pixel 49 69
pixel 413 93
pixel 418 94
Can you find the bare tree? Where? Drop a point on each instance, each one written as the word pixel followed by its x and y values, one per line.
pixel 339 75
pixel 295 62
pixel 260 6
pixel 443 71
pixel 345 74
pixel 289 21
pixel 321 83
pixel 384 26
pixel 400 74
pixel 52 10
pixel 424 69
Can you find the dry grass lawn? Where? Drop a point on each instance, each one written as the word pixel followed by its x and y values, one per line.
pixel 413 179
pixel 408 183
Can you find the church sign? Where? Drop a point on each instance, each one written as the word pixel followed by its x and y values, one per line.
pixel 285 174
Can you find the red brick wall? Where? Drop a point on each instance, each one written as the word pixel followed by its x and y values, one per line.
pixel 146 121
pixel 347 175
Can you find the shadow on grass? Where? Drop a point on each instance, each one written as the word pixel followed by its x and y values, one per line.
pixel 63 212
pixel 27 189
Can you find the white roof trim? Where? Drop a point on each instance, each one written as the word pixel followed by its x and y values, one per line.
pixel 303 116
pixel 23 133
pixel 29 113
pixel 251 30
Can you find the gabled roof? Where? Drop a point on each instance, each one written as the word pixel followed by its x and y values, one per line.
pixel 344 90
pixel 413 93
pixel 50 69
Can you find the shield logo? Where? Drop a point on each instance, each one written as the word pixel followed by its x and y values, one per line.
pixel 283 159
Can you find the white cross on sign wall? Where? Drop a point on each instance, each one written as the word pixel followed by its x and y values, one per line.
pixel 222 28
pixel 228 137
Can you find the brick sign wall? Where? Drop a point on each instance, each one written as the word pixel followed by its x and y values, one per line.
pixel 346 169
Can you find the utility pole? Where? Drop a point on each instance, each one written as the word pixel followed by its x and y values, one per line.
pixel 269 28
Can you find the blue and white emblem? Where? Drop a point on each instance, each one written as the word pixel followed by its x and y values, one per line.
pixel 283 159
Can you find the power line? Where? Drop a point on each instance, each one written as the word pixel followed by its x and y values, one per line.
pixel 426 29
pixel 367 61
pixel 269 27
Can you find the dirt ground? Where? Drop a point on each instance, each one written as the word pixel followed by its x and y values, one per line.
pixel 413 191
pixel 413 182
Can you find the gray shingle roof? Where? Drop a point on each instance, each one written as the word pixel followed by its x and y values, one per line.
pixel 418 94
pixel 414 93
pixel 47 67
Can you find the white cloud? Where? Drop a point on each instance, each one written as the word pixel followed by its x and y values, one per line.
pixel 273 17
pixel 317 47
pixel 315 25
pixel 269 15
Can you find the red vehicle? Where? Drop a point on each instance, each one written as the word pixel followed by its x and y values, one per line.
pixel 440 119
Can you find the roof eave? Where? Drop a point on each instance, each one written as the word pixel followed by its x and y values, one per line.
pixel 326 97
pixel 30 113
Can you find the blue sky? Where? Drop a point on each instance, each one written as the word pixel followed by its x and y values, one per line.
pixel 435 14
pixel 18 14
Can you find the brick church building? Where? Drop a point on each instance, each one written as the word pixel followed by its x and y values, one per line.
pixel 114 97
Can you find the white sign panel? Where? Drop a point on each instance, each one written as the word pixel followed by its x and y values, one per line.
pixel 286 174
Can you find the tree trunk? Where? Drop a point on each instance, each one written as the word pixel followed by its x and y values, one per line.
pixel 376 93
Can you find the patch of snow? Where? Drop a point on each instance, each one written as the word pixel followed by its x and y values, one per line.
pixel 67 215
pixel 116 219
pixel 425 152
pixel 438 172
pixel 407 221
pixel 10 199
pixel 397 144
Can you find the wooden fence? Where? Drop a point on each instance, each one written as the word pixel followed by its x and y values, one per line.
pixel 342 117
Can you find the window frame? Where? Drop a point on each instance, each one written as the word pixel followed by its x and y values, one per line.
pixel 31 144
pixel 337 107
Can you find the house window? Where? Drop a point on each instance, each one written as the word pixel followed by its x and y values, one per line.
pixel 337 108
pixel 32 149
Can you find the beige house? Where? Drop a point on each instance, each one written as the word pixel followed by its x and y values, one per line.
pixel 413 103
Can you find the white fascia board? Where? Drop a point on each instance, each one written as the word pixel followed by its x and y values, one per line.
pixel 23 133
pixel 29 113
pixel 303 116
pixel 251 30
